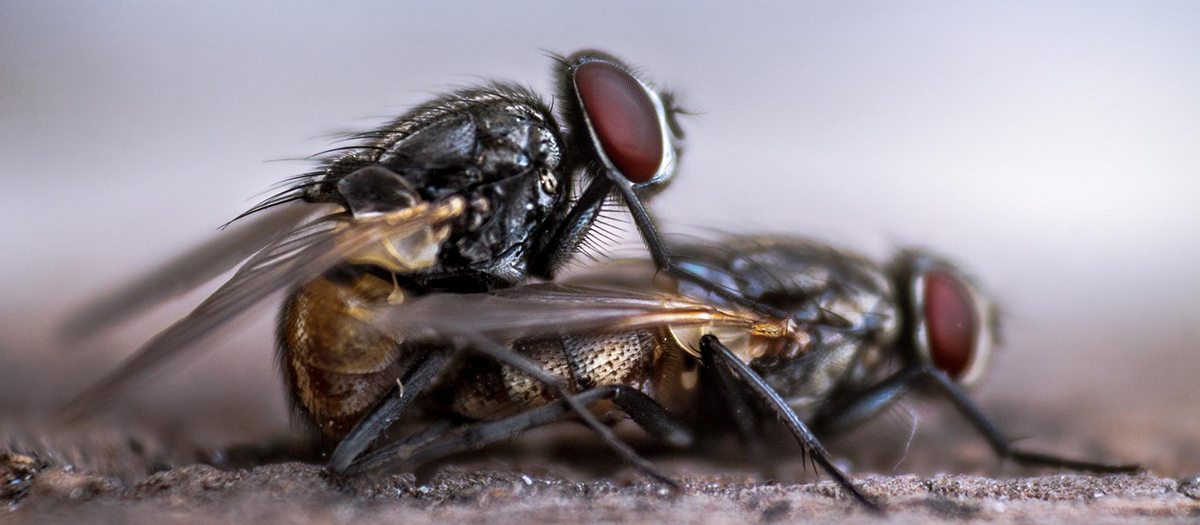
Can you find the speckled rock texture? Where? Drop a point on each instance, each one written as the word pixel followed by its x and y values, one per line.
pixel 110 475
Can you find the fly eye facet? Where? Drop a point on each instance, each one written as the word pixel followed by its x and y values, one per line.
pixel 953 322
pixel 625 117
pixel 950 320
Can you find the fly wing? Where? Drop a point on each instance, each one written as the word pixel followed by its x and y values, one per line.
pixel 305 254
pixel 547 309
pixel 189 270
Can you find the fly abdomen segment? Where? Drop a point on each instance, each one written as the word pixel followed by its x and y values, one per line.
pixel 335 362
pixel 484 390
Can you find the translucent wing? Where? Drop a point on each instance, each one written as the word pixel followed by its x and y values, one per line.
pixel 548 308
pixel 305 254
pixel 189 270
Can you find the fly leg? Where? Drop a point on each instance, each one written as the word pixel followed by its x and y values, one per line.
pixel 745 419
pixel 662 260
pixel 710 344
pixel 392 406
pixel 388 410
pixel 874 399
pixel 662 257
pixel 644 411
pixel 557 247
pixel 506 356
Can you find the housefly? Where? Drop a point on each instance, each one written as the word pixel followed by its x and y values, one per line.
pixel 476 190
pixel 658 354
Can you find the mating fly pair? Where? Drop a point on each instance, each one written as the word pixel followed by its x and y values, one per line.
pixel 472 191
pixel 397 254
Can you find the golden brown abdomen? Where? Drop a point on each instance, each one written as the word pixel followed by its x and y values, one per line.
pixel 335 364
pixel 644 360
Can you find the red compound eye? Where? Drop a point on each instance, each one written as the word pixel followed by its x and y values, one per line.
pixel 950 316
pixel 624 118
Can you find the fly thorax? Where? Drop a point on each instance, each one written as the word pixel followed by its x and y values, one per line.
pixel 500 225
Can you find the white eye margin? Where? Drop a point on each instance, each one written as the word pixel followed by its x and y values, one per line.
pixel 980 354
pixel 670 150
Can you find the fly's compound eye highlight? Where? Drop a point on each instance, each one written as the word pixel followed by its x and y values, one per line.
pixel 953 331
pixel 950 320
pixel 626 119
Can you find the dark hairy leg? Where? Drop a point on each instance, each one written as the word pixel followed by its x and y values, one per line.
pixel 644 411
pixel 862 405
pixel 398 399
pixel 808 442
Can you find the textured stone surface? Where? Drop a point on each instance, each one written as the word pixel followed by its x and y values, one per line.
pixel 294 492
pixel 107 475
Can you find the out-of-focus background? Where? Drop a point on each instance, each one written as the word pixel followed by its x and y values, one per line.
pixel 1053 148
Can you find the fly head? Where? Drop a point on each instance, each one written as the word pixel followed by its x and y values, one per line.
pixel 620 126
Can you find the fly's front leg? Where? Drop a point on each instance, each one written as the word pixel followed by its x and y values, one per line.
pixel 556 248
pixel 564 241
pixel 662 256
pixel 644 411
pixel 808 442
pixel 871 401
pixel 664 262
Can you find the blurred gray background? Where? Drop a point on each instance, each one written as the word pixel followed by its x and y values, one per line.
pixel 1052 148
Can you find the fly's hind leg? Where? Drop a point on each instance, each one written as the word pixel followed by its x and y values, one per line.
pixel 864 404
pixel 644 411
pixel 389 409
pixel 393 405
pixel 735 404
pixel 504 355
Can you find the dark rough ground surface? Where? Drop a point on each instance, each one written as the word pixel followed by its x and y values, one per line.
pixel 114 475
